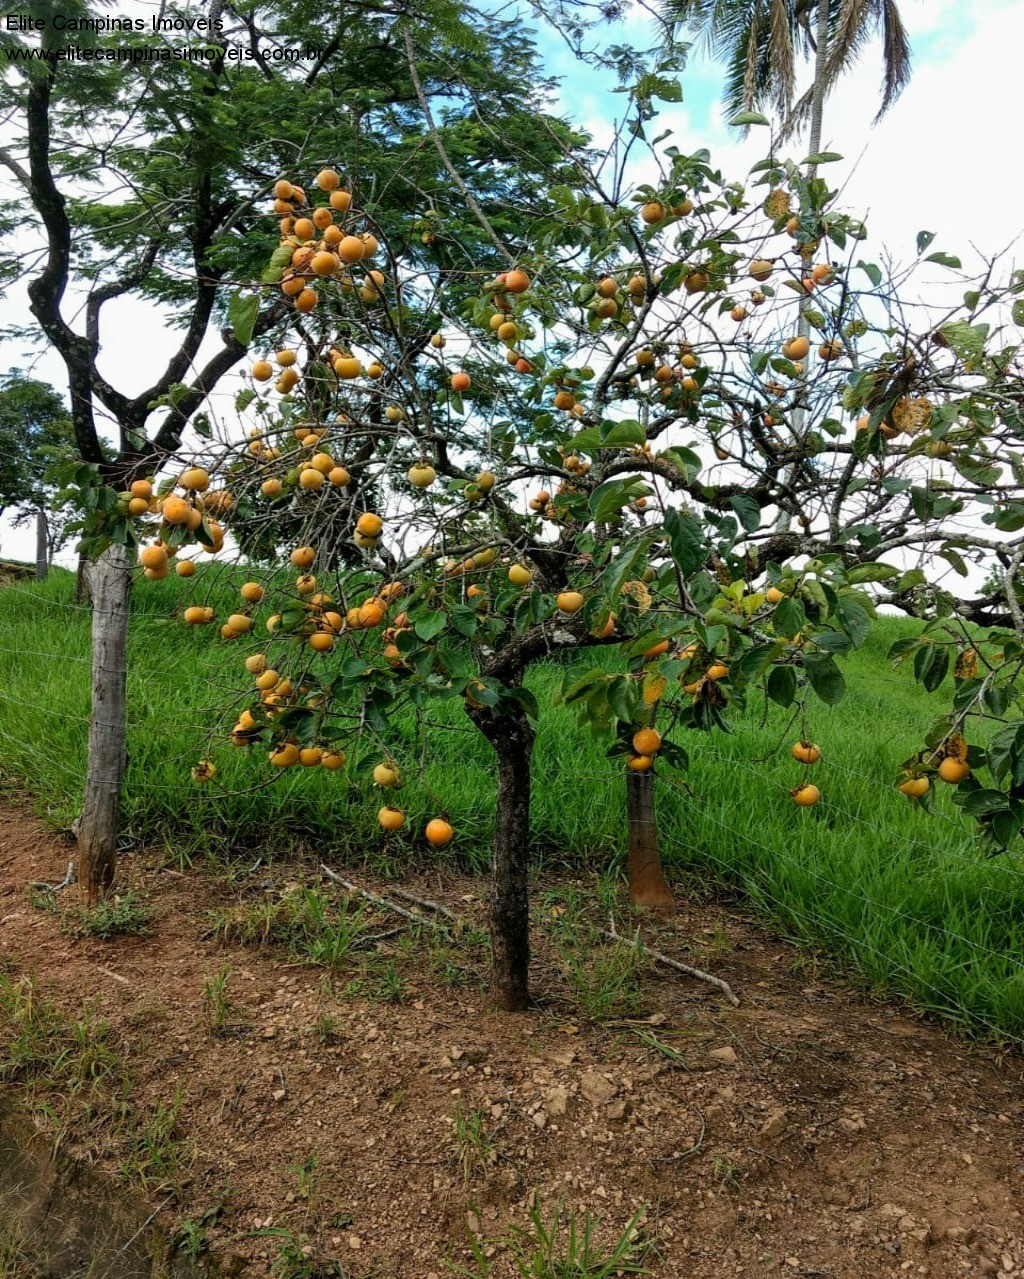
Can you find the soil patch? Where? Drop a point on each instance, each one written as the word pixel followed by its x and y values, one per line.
pixel 365 1120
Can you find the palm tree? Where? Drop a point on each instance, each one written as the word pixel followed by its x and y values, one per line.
pixel 761 41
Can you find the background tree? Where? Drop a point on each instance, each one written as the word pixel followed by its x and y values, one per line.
pixel 761 40
pixel 36 441
pixel 151 199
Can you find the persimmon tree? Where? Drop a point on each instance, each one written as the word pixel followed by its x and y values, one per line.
pixel 591 448
pixel 134 173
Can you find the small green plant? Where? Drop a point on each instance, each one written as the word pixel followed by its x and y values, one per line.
pixel 392 984
pixel 309 1179
pixel 297 1257
pixel 42 897
pixel 13 1262
pixel 38 1042
pixel 565 1248
pixel 189 1239
pixel 312 927
pixel 218 1009
pixel 383 986
pixel 725 1172
pixel 603 981
pixel 475 1149
pixel 718 943
pixel 326 1028
pixel 157 1151
pixel 126 914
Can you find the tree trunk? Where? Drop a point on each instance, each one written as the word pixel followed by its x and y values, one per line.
pixel 647 884
pixel 110 582
pixel 42 545
pixel 512 738
pixel 803 328
pixel 818 100
pixel 83 593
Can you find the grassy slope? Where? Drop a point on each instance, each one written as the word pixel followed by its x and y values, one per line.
pixel 903 896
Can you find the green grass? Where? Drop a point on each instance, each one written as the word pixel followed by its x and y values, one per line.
pixel 903 898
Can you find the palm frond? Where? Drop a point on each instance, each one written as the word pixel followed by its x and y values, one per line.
pixel 851 28
pixel 780 50
pixel 750 63
pixel 895 54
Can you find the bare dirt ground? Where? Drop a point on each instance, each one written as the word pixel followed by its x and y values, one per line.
pixel 332 1128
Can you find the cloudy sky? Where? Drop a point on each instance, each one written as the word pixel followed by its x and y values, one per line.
pixel 945 159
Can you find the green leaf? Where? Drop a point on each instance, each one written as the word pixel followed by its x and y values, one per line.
pixel 608 499
pixel 924 238
pixel 954 559
pixel 967 340
pixel 622 698
pixel 979 803
pixel 573 690
pixel 901 648
pixel 429 627
pixel 789 618
pixel 873 273
pixel 280 258
pixel 464 619
pixel 688 462
pixel 1005 825
pixel 747 510
pixel 686 541
pixel 825 677
pixel 854 619
pixel 996 699
pixel 623 435
pixel 588 441
pixel 1017 311
pixel 526 700
pixel 945 259
pixel 623 566
pixel 912 577
pixel 822 157
pixel 871 573
pixel 781 686
pixel 746 118
pixel 242 312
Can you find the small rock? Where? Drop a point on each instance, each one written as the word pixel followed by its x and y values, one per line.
pixel 557 1102
pixel 268 1032
pixel 473 1223
pixel 727 1056
pixel 354 1242
pixel 596 1088
pixel 620 1110
pixel 279 1094
pixel 774 1125
pixel 539 1118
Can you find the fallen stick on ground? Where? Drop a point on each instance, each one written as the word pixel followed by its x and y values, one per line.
pixel 66 882
pixel 411 915
pixel 427 904
pixel 698 974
